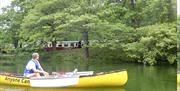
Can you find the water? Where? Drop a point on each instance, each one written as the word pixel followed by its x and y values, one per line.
pixel 15 88
pixel 141 78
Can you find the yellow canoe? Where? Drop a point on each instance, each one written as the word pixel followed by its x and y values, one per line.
pixel 111 79
pixel 118 78
pixel 20 88
pixel 178 78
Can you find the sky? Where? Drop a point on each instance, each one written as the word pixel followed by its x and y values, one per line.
pixel 178 7
pixel 4 3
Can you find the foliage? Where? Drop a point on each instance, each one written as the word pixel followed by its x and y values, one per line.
pixel 156 44
pixel 143 31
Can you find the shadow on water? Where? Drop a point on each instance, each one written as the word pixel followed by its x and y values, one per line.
pixel 17 88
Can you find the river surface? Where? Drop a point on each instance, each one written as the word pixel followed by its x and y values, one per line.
pixel 140 77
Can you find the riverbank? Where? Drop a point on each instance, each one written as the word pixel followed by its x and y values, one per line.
pixel 97 56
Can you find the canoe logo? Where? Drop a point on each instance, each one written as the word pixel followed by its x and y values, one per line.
pixel 18 80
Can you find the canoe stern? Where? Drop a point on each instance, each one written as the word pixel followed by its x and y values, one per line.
pixel 112 79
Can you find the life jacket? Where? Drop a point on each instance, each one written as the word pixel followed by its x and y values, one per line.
pixel 30 71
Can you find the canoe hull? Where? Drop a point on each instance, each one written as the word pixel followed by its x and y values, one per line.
pixel 111 79
pixel 55 82
pixel 11 80
pixel 178 78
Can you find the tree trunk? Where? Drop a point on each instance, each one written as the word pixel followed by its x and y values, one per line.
pixel 170 10
pixel 15 43
pixel 133 3
pixel 133 19
pixel 20 45
pixel 86 43
pixel 54 42
pixel 54 45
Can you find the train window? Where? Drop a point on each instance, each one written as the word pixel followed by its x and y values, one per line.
pixel 66 44
pixel 60 45
pixel 50 45
pixel 72 44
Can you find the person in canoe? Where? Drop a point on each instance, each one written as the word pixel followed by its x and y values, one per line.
pixel 33 67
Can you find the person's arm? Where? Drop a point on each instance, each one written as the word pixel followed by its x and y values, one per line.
pixel 41 69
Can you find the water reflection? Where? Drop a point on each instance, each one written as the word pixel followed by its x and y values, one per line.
pixel 178 87
pixel 17 88
pixel 151 78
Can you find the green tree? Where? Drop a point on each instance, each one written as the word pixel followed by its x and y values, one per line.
pixel 156 45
